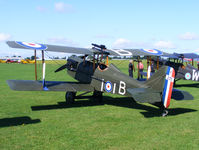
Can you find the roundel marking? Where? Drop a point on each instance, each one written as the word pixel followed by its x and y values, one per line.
pixel 187 76
pixel 108 86
pixel 152 51
pixel 32 45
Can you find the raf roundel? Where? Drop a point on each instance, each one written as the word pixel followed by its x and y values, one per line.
pixel 152 51
pixel 32 45
pixel 187 76
pixel 108 86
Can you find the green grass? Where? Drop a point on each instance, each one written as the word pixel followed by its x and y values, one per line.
pixel 40 120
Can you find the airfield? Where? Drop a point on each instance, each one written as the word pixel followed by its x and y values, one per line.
pixel 41 120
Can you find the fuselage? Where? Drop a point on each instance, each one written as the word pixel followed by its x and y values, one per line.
pixel 102 77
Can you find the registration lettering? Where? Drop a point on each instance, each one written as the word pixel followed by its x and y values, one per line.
pixel 195 75
pixel 111 88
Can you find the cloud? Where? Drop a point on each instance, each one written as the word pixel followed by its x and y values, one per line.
pixel 122 43
pixel 63 7
pixel 189 36
pixel 125 43
pixel 62 40
pixel 164 44
pixel 4 37
pixel 197 50
pixel 41 9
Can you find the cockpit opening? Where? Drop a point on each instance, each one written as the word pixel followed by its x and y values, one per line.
pixel 102 67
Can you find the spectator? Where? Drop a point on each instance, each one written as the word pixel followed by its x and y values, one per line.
pixel 140 66
pixel 131 68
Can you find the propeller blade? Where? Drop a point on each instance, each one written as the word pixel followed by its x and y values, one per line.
pixel 61 68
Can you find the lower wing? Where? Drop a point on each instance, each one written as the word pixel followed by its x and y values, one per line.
pixel 31 85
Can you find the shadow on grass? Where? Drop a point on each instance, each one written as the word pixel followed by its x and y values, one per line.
pixel 188 85
pixel 120 102
pixel 8 122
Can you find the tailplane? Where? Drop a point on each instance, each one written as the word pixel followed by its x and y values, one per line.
pixel 163 81
pixel 157 89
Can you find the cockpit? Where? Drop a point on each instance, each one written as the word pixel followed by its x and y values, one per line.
pixel 72 63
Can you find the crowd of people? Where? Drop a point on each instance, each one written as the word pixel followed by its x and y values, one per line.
pixel 140 67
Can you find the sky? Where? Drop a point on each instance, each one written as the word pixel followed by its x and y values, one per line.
pixel 167 25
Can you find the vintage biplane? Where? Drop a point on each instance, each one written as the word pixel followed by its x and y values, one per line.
pixel 176 61
pixel 27 61
pixel 95 76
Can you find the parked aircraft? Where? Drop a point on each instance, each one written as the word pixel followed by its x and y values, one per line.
pixel 95 76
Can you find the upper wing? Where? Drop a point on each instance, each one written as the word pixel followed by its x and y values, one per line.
pixel 46 47
pixel 67 49
pixel 136 52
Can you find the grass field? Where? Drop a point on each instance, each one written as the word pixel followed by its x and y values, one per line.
pixel 41 120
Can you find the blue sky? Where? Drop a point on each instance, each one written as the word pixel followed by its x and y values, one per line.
pixel 168 25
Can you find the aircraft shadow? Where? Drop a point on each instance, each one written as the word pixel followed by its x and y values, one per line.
pixel 188 85
pixel 120 102
pixel 8 122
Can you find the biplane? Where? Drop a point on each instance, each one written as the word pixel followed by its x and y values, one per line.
pixel 98 77
pixel 176 61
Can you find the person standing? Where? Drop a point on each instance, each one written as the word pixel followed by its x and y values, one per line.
pixel 131 68
pixel 140 67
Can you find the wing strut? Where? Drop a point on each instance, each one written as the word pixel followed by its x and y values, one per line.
pixel 44 71
pixel 35 52
pixel 107 60
pixel 93 62
pixel 157 62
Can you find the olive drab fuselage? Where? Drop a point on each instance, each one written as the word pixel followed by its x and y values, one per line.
pixel 102 78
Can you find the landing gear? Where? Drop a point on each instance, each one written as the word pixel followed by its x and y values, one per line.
pixel 97 95
pixel 165 112
pixel 162 108
pixel 70 97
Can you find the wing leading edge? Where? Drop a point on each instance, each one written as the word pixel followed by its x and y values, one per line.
pixel 47 47
pixel 88 51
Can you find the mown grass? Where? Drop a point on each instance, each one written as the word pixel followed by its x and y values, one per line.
pixel 41 120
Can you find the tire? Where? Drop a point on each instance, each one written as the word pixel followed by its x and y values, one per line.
pixel 70 97
pixel 98 96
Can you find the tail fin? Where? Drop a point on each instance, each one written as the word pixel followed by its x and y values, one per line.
pixel 162 81
pixel 156 81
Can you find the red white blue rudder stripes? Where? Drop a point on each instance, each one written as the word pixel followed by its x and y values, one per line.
pixel 168 87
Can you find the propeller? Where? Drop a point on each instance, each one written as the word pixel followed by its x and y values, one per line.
pixel 61 68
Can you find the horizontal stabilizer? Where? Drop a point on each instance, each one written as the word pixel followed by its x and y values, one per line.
pixel 144 95
pixel 181 95
pixel 31 85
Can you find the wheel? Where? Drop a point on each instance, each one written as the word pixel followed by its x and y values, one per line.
pixel 165 113
pixel 97 95
pixel 70 97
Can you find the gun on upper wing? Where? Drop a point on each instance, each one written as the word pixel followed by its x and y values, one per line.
pixel 97 77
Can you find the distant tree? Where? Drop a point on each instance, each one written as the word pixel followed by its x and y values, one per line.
pixel 32 57
pixel 56 57
pixel 63 57
pixel 27 58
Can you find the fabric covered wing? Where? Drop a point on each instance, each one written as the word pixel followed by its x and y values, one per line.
pixel 46 47
pixel 135 52
pixel 31 85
